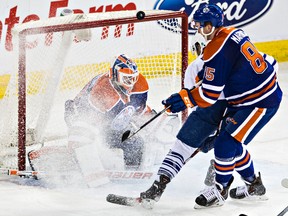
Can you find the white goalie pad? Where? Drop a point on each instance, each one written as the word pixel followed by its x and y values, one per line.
pixel 91 165
pixel 79 166
pixel 92 162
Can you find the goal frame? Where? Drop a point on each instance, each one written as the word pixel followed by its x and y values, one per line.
pixel 75 26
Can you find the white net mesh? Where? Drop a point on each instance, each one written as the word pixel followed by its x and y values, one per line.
pixel 58 66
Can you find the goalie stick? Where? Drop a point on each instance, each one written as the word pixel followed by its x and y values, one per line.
pixel 113 175
pixel 14 172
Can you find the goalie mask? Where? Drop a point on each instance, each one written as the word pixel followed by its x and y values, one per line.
pixel 124 73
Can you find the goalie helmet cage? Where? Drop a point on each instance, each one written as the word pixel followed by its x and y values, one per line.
pixel 58 56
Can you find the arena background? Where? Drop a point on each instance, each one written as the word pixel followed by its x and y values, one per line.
pixel 266 29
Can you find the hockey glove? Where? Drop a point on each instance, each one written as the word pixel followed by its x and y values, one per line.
pixel 180 101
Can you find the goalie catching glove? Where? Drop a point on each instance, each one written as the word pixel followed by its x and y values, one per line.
pixel 179 101
pixel 123 119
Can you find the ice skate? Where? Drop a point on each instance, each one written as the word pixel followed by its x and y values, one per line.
pixel 156 190
pixel 213 196
pixel 250 191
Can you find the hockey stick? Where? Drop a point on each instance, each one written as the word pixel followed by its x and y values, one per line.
pixel 283 212
pixel 14 172
pixel 127 134
pixel 137 201
pixel 113 175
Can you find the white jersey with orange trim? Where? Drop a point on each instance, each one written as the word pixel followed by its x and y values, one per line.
pixel 191 73
pixel 234 66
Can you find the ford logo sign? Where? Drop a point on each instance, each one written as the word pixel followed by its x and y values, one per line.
pixel 237 13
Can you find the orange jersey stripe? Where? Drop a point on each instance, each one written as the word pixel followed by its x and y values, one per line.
pixel 210 94
pixel 196 96
pixel 215 45
pixel 239 136
pixel 256 95
pixel 244 160
pixel 227 168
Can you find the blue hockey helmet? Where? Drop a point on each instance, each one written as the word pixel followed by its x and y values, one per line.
pixel 124 72
pixel 209 13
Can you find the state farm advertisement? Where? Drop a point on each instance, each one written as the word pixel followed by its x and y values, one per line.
pixel 257 18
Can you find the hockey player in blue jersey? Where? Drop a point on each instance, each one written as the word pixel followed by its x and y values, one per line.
pixel 198 132
pixel 247 78
pixel 201 126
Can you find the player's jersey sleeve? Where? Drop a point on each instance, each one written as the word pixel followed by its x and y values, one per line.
pixel 233 65
pixel 192 73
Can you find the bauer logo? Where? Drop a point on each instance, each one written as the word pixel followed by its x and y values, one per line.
pixel 237 13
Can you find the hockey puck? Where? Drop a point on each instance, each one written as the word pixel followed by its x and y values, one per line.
pixel 243 215
pixel 284 182
pixel 140 15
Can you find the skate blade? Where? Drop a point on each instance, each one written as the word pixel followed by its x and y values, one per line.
pixel 196 206
pixel 148 203
pixel 253 198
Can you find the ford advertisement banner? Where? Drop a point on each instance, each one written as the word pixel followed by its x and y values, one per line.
pixel 236 13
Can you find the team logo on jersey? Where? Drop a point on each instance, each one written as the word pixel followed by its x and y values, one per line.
pixel 237 13
pixel 232 120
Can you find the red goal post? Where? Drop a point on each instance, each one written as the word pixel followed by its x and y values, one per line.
pixel 54 64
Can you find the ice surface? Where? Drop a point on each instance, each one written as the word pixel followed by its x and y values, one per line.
pixel 269 150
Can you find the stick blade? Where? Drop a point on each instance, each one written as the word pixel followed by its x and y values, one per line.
pixel 125 135
pixel 123 200
pixel 130 201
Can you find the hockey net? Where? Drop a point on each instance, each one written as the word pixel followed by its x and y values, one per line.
pixel 57 57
